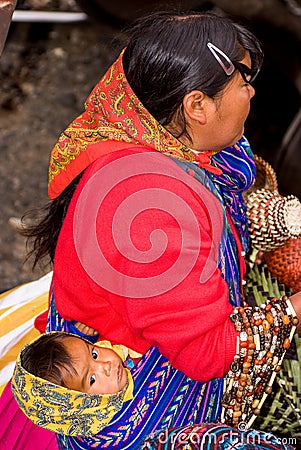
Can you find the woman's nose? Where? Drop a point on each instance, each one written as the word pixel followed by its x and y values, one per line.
pixel 251 91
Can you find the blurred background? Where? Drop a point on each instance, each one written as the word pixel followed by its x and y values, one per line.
pixel 55 51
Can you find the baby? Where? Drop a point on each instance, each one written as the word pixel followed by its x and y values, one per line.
pixel 74 363
pixel 55 368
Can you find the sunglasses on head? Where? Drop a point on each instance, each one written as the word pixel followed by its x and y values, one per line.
pixel 248 74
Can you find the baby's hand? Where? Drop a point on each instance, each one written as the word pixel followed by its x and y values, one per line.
pixel 85 329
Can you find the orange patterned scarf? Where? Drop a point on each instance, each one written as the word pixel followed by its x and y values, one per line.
pixel 113 119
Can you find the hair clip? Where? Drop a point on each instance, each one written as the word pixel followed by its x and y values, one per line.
pixel 216 52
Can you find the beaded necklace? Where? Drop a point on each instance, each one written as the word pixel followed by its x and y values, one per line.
pixel 265 333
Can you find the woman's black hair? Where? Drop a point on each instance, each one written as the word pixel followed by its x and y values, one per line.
pixel 48 358
pixel 166 58
pixel 42 226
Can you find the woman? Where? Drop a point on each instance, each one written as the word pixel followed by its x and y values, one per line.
pixel 147 226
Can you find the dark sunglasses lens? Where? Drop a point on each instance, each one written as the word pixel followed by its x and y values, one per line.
pixel 247 74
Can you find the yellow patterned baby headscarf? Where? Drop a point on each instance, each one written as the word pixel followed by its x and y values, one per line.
pixel 63 410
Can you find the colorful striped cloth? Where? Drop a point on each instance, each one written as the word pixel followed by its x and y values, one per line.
pixel 238 175
pixel 163 397
pixel 18 309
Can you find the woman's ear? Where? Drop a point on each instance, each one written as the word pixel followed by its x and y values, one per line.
pixel 195 106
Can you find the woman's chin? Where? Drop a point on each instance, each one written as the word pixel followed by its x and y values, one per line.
pixel 237 138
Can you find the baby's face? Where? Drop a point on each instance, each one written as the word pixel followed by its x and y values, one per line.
pixel 98 370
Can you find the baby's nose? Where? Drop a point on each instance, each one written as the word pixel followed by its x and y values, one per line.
pixel 105 367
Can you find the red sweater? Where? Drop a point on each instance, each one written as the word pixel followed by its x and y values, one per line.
pixel 189 323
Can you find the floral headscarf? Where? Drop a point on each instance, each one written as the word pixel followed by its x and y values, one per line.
pixel 114 119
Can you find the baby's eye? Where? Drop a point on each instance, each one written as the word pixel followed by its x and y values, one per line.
pixel 94 353
pixel 92 380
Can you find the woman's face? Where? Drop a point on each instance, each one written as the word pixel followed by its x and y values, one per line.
pixel 225 115
pixel 98 370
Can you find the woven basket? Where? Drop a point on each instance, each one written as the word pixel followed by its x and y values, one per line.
pixel 285 263
pixel 272 219
pixel 265 175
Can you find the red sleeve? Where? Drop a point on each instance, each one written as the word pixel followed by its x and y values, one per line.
pixel 189 323
pixel 165 224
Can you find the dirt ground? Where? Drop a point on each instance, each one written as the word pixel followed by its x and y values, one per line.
pixel 46 73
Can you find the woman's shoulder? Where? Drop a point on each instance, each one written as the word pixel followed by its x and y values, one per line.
pixel 120 157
